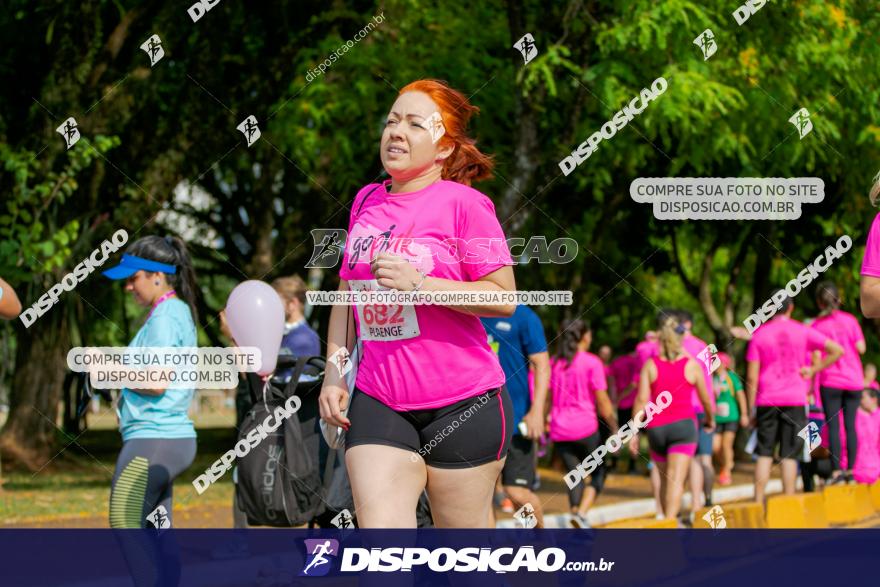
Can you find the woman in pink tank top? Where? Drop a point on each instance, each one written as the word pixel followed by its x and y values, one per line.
pixel 672 431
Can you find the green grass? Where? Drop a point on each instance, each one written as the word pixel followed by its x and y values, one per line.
pixel 76 483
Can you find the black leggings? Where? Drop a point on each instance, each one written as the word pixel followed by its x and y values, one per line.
pixel 573 453
pixel 833 400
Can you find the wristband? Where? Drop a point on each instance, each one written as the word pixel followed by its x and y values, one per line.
pixel 421 282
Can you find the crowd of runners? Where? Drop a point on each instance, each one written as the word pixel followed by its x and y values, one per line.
pixel 802 400
pixel 454 404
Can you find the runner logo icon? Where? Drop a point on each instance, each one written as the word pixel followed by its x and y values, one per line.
pixel 343 520
pixel 801 121
pixel 69 131
pixel 810 434
pixel 709 357
pixel 715 518
pixel 328 247
pixel 159 518
pixel 526 516
pixel 153 48
pixel 249 129
pixel 319 551
pixel 526 46
pixel 435 127
pixel 706 42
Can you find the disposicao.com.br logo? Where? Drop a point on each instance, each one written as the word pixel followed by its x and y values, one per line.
pixel 318 553
pixel 442 559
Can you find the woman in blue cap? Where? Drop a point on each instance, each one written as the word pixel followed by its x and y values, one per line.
pixel 159 441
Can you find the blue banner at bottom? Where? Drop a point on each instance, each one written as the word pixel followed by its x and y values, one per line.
pixel 270 558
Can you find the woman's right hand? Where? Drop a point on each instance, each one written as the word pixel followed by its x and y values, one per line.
pixel 709 422
pixel 333 399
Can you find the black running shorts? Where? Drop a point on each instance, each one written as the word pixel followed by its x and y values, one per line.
pixel 471 432
pixel 519 468
pixel 781 424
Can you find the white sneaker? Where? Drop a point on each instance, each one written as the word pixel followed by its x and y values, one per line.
pixel 579 521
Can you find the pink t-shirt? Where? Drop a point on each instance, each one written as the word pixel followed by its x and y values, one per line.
pixel 871 260
pixel 671 378
pixel 693 346
pixel 844 329
pixel 624 370
pixel 874 385
pixel 421 357
pixel 867 467
pixel 645 350
pixel 780 346
pixel 573 415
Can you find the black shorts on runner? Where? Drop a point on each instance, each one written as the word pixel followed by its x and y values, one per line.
pixel 465 434
pixel 781 424
pixel 726 427
pixel 519 468
pixel 676 437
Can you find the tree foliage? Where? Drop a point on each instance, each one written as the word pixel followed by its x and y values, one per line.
pixel 155 136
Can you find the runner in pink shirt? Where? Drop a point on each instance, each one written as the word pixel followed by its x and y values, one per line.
pixel 816 415
pixel 869 294
pixel 867 465
pixel 625 377
pixel 702 471
pixel 648 348
pixel 429 410
pixel 870 378
pixel 605 355
pixel 623 371
pixel 778 383
pixel 579 390
pixel 672 433
pixel 841 383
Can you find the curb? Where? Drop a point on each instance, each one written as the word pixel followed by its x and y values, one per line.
pixel 641 508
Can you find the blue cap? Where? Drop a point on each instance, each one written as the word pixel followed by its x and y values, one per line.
pixel 131 264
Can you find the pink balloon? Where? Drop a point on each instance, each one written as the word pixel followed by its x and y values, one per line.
pixel 256 318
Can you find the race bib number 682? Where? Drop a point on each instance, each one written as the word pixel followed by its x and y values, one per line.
pixel 384 321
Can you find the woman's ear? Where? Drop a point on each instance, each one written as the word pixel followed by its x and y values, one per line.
pixel 444 152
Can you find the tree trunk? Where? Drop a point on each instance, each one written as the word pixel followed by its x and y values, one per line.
pixel 30 433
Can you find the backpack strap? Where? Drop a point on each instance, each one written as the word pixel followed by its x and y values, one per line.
pixel 364 201
pixel 301 363
pixel 328 470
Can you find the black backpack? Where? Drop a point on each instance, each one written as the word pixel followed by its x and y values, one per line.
pixel 279 483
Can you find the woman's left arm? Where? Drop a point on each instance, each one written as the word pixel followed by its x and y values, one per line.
pixel 395 272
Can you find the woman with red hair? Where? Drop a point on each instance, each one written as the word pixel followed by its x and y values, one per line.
pixel 428 409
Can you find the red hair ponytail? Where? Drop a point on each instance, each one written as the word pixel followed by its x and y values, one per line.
pixel 467 163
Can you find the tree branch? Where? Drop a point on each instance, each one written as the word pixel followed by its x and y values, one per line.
pixel 689 285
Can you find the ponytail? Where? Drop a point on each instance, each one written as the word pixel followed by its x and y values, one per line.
pixel 467 164
pixel 572 333
pixel 670 335
pixel 184 281
pixel 827 298
pixel 172 251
